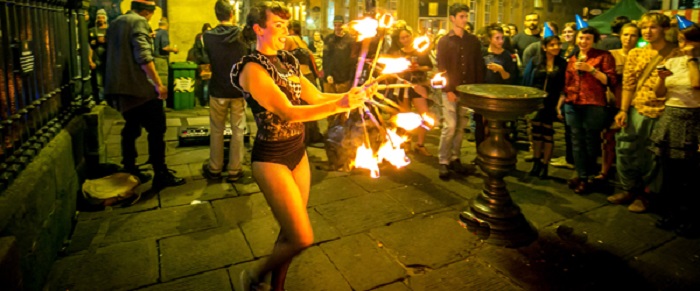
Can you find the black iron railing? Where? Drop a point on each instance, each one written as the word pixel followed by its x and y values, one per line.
pixel 44 78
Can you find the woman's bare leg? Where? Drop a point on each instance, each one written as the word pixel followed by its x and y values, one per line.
pixel 282 189
pixel 421 105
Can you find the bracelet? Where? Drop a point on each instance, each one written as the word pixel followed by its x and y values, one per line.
pixel 693 59
pixel 625 111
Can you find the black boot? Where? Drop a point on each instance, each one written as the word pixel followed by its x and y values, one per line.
pixel 165 178
pixel 536 168
pixel 544 171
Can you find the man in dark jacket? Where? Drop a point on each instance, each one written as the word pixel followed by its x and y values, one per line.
pixel 224 46
pixel 459 56
pixel 133 86
pixel 338 64
pixel 612 41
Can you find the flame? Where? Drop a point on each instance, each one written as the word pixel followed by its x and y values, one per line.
pixel 428 120
pixel 366 28
pixel 408 120
pixel 364 159
pixel 421 43
pixel 392 152
pixel 438 81
pixel 394 65
pixel 386 21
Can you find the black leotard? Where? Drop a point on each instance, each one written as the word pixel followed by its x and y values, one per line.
pixel 277 141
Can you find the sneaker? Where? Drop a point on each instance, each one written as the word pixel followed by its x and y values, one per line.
pixel 234 178
pixel 420 149
pixel 620 198
pixel 248 283
pixel 207 173
pixel 457 166
pixel 165 178
pixel 639 205
pixel 561 163
pixel 444 171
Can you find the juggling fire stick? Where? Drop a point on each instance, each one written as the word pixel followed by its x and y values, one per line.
pixel 385 22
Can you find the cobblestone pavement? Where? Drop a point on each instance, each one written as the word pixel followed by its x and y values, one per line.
pixel 397 232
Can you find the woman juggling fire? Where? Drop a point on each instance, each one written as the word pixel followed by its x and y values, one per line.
pixel 274 89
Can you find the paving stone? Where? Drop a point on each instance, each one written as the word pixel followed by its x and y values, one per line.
pixel 209 281
pixel 424 199
pixel 173 122
pixel 640 227
pixel 335 189
pixel 313 271
pixel 463 275
pixel 233 211
pixel 602 237
pixel 122 266
pixel 672 266
pixel 172 133
pixel 360 213
pixel 196 170
pixel 160 223
pixel 187 156
pixel 197 252
pixel 362 262
pixel 201 190
pixel 246 186
pixel 323 230
pixel 261 234
pixel 415 242
pixel 182 171
pixel 83 235
pixel 398 286
pixel 383 183
pixel 198 121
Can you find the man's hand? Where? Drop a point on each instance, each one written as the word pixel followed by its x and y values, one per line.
pixel 452 97
pixel 496 68
pixel 162 92
pixel 92 65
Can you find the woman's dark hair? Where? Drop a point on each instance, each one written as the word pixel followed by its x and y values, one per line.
pixel 295 26
pixel 258 13
pixel 630 24
pixel 140 6
pixel 223 10
pixel 618 23
pixel 692 33
pixel 471 26
pixel 541 59
pixel 591 31
pixel 513 26
pixel 493 27
pixel 206 27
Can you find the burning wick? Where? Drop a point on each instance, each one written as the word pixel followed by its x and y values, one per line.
pixel 421 43
pixel 394 65
pixel 438 81
pixel 410 121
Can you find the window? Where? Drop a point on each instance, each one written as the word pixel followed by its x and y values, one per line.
pixel 331 14
pixel 472 11
pixel 487 12
pixel 500 11
pixel 360 8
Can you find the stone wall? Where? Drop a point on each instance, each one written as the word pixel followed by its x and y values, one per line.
pixel 38 209
pixel 186 18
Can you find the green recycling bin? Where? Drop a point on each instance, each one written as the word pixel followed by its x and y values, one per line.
pixel 181 85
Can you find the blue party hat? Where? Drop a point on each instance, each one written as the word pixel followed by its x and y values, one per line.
pixel 580 23
pixel 548 30
pixel 683 22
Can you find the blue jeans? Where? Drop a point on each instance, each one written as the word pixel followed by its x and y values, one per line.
pixel 586 122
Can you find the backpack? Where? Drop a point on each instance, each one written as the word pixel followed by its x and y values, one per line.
pixel 112 189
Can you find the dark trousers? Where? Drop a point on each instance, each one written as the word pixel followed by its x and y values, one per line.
pixel 150 116
pixel 586 124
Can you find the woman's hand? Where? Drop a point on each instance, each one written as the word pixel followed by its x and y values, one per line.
pixel 581 66
pixel 663 74
pixel 621 119
pixel 559 114
pixel 355 98
pixel 496 68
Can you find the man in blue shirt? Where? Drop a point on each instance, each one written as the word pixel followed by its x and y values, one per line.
pixel 162 49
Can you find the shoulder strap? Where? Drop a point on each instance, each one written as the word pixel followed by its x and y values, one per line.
pixel 655 61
